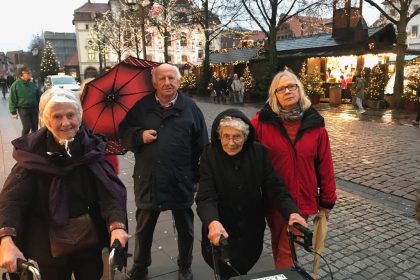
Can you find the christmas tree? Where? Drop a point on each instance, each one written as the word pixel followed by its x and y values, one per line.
pixel 248 79
pixel 410 90
pixel 49 62
pixel 312 82
pixel 188 81
pixel 376 85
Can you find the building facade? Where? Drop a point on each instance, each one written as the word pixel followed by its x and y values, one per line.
pixel 185 43
pixel 64 45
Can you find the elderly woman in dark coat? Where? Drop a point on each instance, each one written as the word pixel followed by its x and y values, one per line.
pixel 236 181
pixel 60 187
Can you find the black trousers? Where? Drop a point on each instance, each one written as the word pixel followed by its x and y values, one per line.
pixel 146 223
pixel 29 119
pixel 85 264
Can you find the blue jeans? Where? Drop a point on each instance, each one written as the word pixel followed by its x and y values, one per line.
pixel 29 119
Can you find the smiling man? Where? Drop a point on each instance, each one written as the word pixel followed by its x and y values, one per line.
pixel 167 133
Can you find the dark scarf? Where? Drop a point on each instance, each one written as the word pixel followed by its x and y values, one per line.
pixel 93 157
pixel 291 115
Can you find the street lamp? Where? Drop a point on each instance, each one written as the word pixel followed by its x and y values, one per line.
pixel 141 4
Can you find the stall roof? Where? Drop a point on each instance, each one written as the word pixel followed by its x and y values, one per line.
pixel 325 44
pixel 406 58
pixel 234 55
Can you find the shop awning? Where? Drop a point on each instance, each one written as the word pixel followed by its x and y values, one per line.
pixel 406 58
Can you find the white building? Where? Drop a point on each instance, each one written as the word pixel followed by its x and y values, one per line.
pixel 186 43
pixel 413 32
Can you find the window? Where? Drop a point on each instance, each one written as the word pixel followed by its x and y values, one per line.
pixel 392 12
pixel 183 40
pixel 200 53
pixel 169 58
pixel 414 29
pixel 184 58
pixel 91 54
pixel 148 39
pixel 87 26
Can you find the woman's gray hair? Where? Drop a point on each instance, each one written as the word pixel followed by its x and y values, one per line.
pixel 236 123
pixel 58 95
pixel 304 102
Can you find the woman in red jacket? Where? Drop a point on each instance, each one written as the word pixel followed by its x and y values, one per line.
pixel 295 136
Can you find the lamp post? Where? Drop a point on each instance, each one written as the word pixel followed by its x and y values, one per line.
pixel 35 59
pixel 141 5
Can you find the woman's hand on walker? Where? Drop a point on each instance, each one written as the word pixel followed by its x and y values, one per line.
pixel 9 254
pixel 216 229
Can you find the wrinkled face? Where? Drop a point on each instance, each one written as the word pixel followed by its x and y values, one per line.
pixel 287 93
pixel 63 121
pixel 232 140
pixel 166 82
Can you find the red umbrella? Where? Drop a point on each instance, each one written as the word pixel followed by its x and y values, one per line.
pixel 106 99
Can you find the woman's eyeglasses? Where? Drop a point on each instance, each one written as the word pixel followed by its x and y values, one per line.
pixel 291 87
pixel 235 138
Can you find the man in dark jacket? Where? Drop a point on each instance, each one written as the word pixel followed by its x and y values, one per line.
pixel 24 99
pixel 167 133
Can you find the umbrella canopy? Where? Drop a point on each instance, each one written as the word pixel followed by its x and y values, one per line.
pixel 320 232
pixel 106 99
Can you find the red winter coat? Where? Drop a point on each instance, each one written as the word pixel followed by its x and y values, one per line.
pixel 305 166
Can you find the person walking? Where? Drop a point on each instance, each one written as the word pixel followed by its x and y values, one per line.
pixel 416 121
pixel 236 88
pixel 62 203
pixel 242 90
pixel 167 132
pixel 3 86
pixel 360 93
pixel 294 134
pixel 237 181
pixel 23 100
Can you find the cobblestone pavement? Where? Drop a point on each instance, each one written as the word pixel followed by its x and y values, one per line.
pixel 372 233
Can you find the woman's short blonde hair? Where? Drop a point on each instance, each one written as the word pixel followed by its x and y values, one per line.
pixel 53 96
pixel 304 102
pixel 236 123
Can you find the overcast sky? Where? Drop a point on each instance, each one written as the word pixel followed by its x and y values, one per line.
pixel 20 20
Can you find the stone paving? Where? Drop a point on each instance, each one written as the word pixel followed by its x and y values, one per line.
pixel 372 233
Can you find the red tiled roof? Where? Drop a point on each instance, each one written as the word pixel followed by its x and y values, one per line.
pixel 88 10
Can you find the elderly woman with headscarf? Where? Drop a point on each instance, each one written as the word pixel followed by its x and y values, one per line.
pixel 294 134
pixel 236 181
pixel 62 202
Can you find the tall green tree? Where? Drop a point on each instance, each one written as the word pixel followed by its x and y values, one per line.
pixel 404 12
pixel 49 63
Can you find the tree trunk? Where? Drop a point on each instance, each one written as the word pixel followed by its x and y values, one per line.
pixel 399 63
pixel 206 73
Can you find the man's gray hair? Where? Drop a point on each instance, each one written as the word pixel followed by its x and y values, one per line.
pixel 154 70
pixel 58 95
pixel 234 122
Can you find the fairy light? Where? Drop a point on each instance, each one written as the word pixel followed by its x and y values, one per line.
pixel 312 82
pixel 376 85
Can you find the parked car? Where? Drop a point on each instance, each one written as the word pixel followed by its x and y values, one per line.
pixel 61 81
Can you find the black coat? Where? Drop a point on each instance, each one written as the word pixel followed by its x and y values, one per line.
pixel 26 198
pixel 234 190
pixel 165 170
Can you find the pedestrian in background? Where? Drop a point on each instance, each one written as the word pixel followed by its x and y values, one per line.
pixel 360 93
pixel 61 188
pixel 237 180
pixel 3 86
pixel 343 86
pixel 242 90
pixel 23 100
pixel 295 136
pixel 217 87
pixel 416 121
pixel 167 132
pixel 236 88
pixel 9 80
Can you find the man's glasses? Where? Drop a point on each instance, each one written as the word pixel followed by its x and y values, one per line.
pixel 236 138
pixel 291 87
